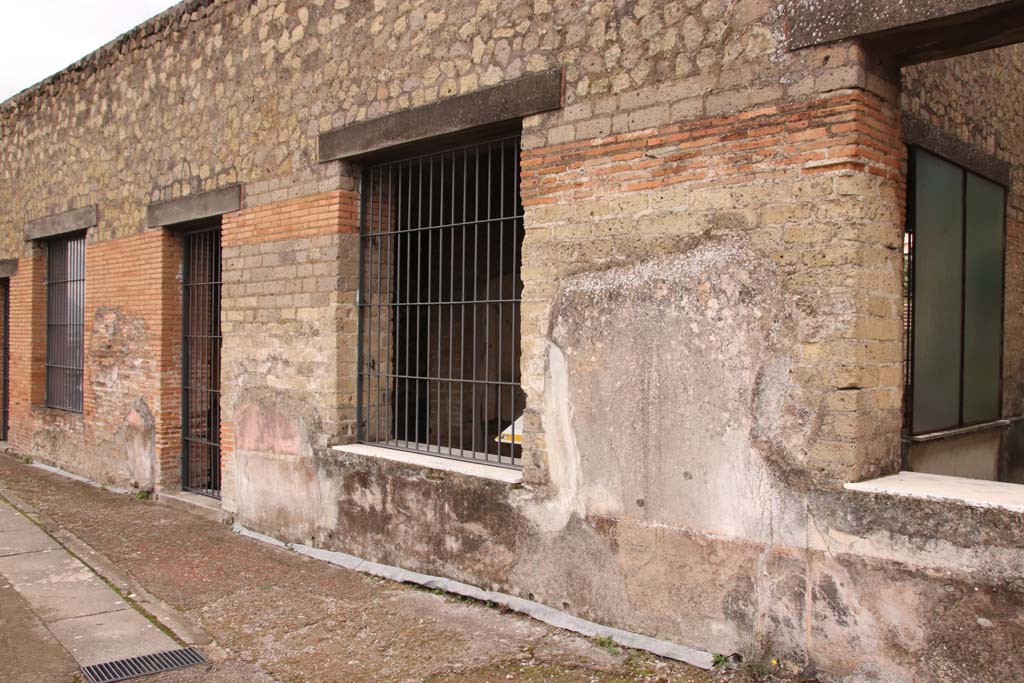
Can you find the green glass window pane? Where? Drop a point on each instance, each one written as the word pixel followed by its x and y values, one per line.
pixel 938 248
pixel 983 300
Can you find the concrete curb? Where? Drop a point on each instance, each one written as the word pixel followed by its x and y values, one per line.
pixel 548 615
pixel 64 473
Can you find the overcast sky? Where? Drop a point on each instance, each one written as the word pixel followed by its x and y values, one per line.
pixel 38 38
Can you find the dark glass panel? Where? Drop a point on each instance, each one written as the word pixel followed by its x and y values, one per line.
pixel 938 213
pixel 983 300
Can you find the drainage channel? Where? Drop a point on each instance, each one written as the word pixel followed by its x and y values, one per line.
pixel 135 667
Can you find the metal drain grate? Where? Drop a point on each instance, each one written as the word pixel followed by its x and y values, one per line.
pixel 133 667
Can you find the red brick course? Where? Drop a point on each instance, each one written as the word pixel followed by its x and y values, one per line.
pixel 854 131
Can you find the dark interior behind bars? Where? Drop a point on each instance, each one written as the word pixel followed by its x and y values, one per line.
pixel 440 303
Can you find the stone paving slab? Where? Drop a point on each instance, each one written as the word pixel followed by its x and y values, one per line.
pixel 109 636
pixel 86 616
pixel 28 540
pixel 58 586
pixel 28 651
pixel 10 520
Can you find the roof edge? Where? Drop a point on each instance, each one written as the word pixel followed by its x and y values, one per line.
pixel 108 53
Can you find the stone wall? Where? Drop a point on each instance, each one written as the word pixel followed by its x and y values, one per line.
pixel 126 432
pixel 711 317
pixel 813 192
pixel 289 380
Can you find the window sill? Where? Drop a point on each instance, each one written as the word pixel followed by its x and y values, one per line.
pixel 972 492
pixel 57 412
pixel 433 462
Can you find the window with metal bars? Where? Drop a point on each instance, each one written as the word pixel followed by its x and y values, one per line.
pixel 440 291
pixel 65 322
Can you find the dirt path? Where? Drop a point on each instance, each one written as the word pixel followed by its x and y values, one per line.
pixel 280 616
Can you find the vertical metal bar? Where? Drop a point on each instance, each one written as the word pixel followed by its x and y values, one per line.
pixel 51 253
pixel 80 329
pixel 451 308
pixel 441 231
pixel 394 273
pixel 407 311
pixel 501 287
pixel 218 335
pixel 378 309
pixel 462 312
pixel 364 334
pixel 419 296
pixel 429 294
pixel 501 293
pixel 963 289
pixel 6 368
pixel 185 355
pixel 476 281
pixel 202 341
pixel 488 225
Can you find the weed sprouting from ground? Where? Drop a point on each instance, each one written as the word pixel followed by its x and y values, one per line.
pixel 607 643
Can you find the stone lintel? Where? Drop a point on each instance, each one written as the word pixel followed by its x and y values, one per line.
pixel 194 207
pixel 907 32
pixel 8 267
pixel 61 223
pixel 506 102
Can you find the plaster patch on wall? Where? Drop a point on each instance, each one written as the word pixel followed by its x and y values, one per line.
pixel 276 478
pixel 659 372
pixel 553 512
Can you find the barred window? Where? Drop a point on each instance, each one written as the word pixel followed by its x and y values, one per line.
pixel 65 322
pixel 440 302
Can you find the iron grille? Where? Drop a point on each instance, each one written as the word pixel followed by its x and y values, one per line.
pixel 5 358
pixel 439 309
pixel 134 667
pixel 65 322
pixel 201 362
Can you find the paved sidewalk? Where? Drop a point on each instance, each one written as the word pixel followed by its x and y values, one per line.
pixel 275 615
pixel 82 613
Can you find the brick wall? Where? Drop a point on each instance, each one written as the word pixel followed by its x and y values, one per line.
pixel 28 348
pixel 132 363
pixel 711 338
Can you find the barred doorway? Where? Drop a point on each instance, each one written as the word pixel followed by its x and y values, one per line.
pixel 201 362
pixel 440 297
pixel 5 354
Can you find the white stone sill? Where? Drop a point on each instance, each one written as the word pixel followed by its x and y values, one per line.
pixel 973 492
pixel 434 462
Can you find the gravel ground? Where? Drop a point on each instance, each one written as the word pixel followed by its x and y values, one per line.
pixel 280 616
